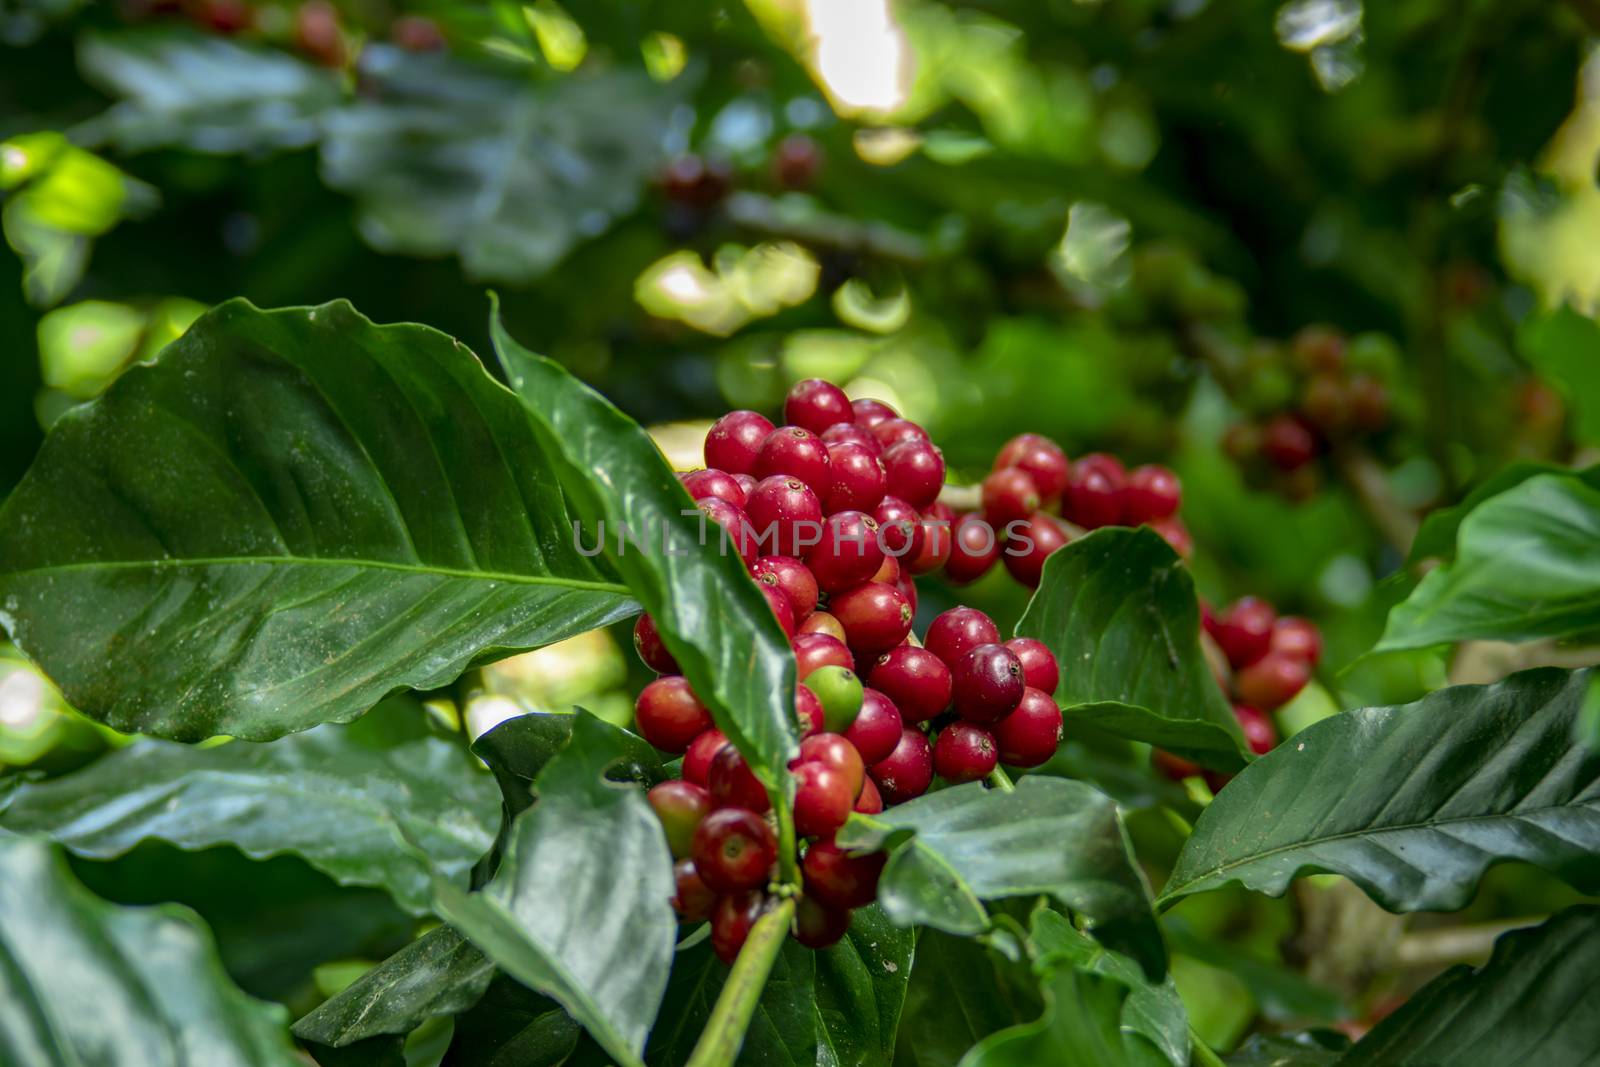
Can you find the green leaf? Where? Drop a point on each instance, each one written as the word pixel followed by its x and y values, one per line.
pixel 517 749
pixel 382 802
pixel 439 973
pixel 1118 609
pixel 286 517
pixel 712 617
pixel 446 157
pixel 956 998
pixel 1437 536
pixel 512 1027
pixel 1413 803
pixel 83 981
pixel 579 908
pixel 1524 569
pixel 204 92
pixel 1562 344
pixel 957 847
pixel 1080 1025
pixel 1535 1001
pixel 1282 994
pixel 861 989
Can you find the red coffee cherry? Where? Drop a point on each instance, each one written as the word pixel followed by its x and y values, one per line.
pixel 793 577
pixel 734 850
pixel 838 879
pixel 1296 637
pixel 938 539
pixel 731 921
pixel 785 516
pixel 901 528
pixel 1035 542
pixel 1271 681
pixel 1092 498
pixel 877 729
pixel 1039 667
pixel 817 926
pixel 733 533
pixel 734 441
pixel 834 750
pixel 734 785
pixel 669 715
pixel 809 712
pixel 823 622
pixel 1175 767
pixel 1176 535
pixel 875 617
pixel 1244 630
pixel 708 482
pixel 1288 443
pixel 692 899
pixel 1040 458
pixel 1029 736
pixel 976 546
pixel 417 33
pixel 782 607
pixel 694 182
pixel 914 679
pixel 1009 495
pixel 914 472
pixel 1259 733
pixel 1369 403
pixel 850 433
pixel 856 478
pixel 964 753
pixel 822 800
pixel 907 771
pixel 647 642
pixel 892 432
pixel 868 413
pixel 795 163
pixel 987 684
pixel 813 650
pixel 816 405
pixel 958 631
pixel 317 33
pixel 848 552
pixel 1152 492
pixel 681 806
pixel 702 750
pixel 794 452
pixel 1106 464
pixel 870 802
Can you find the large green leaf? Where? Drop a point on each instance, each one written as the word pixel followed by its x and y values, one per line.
pixel 1535 1001
pixel 711 616
pixel 1080 1025
pixel 579 908
pixel 512 1026
pixel 1118 609
pixel 381 802
pixel 1525 568
pixel 1413 803
pixel 289 515
pixel 957 996
pixel 957 847
pixel 86 982
pixel 1437 536
pixel 517 749
pixel 439 973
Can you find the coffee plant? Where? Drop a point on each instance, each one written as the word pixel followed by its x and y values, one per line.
pixel 1102 498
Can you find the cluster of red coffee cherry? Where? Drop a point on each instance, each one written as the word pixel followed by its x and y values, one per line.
pixel 956 704
pixel 318 30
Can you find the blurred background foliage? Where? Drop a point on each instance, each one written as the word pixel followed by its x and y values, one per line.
pixel 1128 224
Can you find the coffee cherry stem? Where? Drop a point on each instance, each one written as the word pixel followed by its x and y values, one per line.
pixel 788 868
pixel 730 1017
pixel 999 779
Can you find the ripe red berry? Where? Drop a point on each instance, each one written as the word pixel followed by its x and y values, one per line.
pixel 702 750
pixel 915 472
pixel 694 182
pixel 1009 495
pixel 731 921
pixel 875 617
pixel 1259 733
pixel 907 771
pixel 908 589
pixel 680 806
pixel 1032 544
pixel 869 413
pixel 938 539
pixel 847 553
pixel 836 751
pixel 317 33
pixel 849 433
pixel 822 800
pixel 1288 443
pixel 987 684
pixel 1039 667
pixel 734 441
pixel 838 879
pixel 1175 767
pixel 1152 492
pixel 856 478
pixel 823 622
pixel 958 631
pixel 733 784
pixel 901 525
pixel 734 850
pixel 692 899
pixel 733 533
pixel 914 679
pixel 816 405
pixel 1040 458
pixel 1106 464
pixel 974 550
pixel 782 607
pixel 669 715
pixel 795 162
pixel 795 452
pixel 870 802
pixel 1029 735
pixel 964 753
pixel 747 482
pixel 817 926
pixel 813 650
pixel 1244 630
pixel 892 432
pixel 1272 681
pixel 888 573
pixel 809 713
pixel 877 728
pixel 1092 499
pixel 1296 637
pixel 710 482
pixel 416 33
pixel 1175 534
pixel 647 642
pixel 793 577
pixel 785 516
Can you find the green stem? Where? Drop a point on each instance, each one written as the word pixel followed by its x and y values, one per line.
pixel 724 1033
pixel 1001 780
pixel 1203 1056
pixel 788 869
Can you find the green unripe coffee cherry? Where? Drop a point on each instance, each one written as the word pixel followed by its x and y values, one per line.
pixel 840 692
